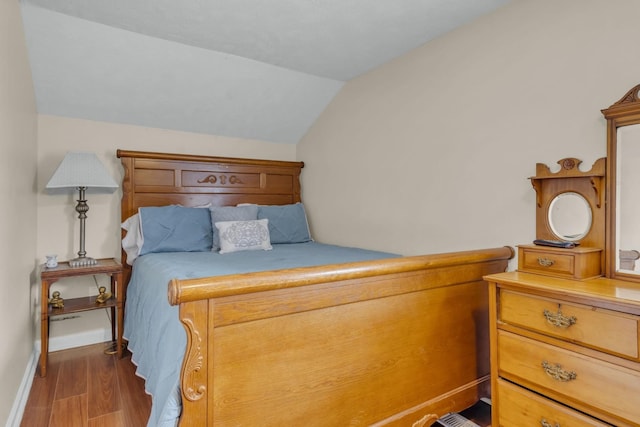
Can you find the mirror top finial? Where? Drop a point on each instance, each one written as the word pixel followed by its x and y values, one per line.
pixel 630 96
pixel 629 104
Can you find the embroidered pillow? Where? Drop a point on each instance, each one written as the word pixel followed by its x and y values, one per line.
pixel 230 213
pixel 238 236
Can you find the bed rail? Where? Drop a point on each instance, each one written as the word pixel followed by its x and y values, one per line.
pixel 186 290
pixel 385 342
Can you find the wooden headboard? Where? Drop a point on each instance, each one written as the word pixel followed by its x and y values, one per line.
pixel 159 179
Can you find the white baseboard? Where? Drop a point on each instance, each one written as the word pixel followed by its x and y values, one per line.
pixel 15 416
pixel 79 339
pixel 55 344
pixel 78 329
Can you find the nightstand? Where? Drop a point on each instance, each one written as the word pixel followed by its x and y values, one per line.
pixel 48 276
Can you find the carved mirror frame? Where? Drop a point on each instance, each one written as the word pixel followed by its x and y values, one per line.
pixel 625 112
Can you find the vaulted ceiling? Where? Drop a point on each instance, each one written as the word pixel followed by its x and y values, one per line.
pixel 254 69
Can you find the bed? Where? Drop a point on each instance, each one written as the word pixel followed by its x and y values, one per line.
pixel 346 338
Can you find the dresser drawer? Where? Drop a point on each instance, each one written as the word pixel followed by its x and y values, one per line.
pixel 571 378
pixel 609 331
pixel 520 407
pixel 576 263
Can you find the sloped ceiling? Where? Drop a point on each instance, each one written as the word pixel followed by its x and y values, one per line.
pixel 254 69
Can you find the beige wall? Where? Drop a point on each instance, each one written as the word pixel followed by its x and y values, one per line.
pixel 431 152
pixel 428 153
pixel 18 143
pixel 58 226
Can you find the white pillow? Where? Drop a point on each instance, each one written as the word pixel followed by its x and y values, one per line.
pixel 244 235
pixel 132 242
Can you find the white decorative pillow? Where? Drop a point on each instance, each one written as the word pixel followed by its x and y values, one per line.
pixel 230 213
pixel 244 235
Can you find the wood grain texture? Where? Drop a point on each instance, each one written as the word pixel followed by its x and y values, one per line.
pixel 135 403
pixel 85 387
pixel 519 406
pixel 72 378
pixel 354 346
pixel 159 179
pixel 584 372
pixel 102 386
pixel 591 186
pixel 71 411
pixel 388 342
pixel 41 396
pixel 595 389
pixel 592 326
pixel 107 266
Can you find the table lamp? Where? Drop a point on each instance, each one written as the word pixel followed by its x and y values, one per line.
pixel 84 172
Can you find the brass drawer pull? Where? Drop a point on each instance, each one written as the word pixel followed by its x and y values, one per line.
pixel 545 423
pixel 558 319
pixel 545 262
pixel 557 373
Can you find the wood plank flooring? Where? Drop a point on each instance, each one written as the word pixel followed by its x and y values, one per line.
pixel 86 387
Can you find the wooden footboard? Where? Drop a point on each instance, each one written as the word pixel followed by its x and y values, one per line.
pixel 392 342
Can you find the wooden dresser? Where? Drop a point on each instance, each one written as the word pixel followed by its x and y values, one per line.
pixel 564 352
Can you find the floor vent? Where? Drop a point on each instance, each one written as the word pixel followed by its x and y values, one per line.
pixel 456 420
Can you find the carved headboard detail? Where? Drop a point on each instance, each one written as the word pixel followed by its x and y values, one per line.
pixel 159 179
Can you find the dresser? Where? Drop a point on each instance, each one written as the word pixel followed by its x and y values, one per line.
pixel 564 352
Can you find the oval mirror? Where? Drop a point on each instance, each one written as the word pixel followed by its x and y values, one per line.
pixel 570 216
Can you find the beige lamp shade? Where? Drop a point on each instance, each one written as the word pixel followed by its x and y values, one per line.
pixel 80 169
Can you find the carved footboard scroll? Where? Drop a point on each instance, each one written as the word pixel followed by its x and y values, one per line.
pixel 388 342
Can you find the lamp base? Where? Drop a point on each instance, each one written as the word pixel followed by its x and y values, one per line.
pixel 82 262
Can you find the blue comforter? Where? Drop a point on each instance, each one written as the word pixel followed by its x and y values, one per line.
pixel 156 337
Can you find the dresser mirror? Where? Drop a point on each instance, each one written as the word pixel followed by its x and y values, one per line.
pixel 570 216
pixel 570 203
pixel 623 177
pixel 570 222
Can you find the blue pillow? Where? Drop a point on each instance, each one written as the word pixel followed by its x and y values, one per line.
pixel 230 213
pixel 287 223
pixel 175 229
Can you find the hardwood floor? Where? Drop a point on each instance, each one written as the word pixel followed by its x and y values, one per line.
pixel 85 387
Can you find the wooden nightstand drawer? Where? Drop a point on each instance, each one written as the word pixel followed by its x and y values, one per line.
pixel 605 330
pixel 520 407
pixel 571 378
pixel 576 263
